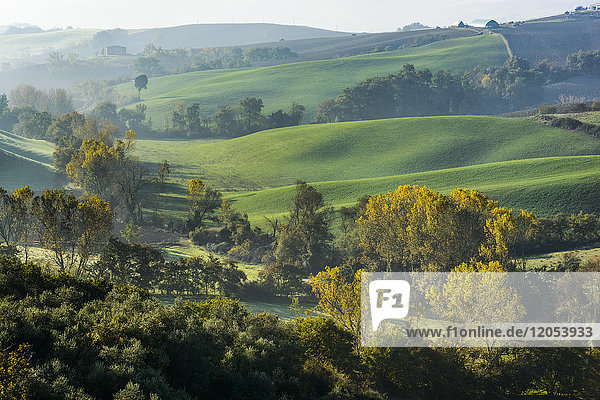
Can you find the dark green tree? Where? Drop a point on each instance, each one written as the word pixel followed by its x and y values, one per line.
pixel 305 236
pixel 141 82
pixel 250 112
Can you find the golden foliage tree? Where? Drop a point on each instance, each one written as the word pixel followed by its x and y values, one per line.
pixel 71 229
pixel 111 172
pixel 14 369
pixel 94 166
pixel 478 292
pixel 203 201
pixel 339 299
pixel 95 220
pixel 416 228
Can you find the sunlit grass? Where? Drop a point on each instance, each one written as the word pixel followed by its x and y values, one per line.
pixel 307 83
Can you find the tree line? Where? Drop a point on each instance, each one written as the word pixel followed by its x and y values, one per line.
pixel 156 60
pixel 77 235
pixel 419 92
pixel 231 121
pixel 414 92
pixel 186 120
pixel 37 114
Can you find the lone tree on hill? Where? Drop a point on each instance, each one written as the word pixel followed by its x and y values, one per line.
pixel 141 82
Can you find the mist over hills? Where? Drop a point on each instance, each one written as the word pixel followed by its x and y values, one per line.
pixel 222 35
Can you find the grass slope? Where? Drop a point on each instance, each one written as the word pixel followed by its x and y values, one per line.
pixel 367 149
pixel 519 162
pixel 222 35
pixel 307 83
pixel 326 48
pixel 544 186
pixel 26 162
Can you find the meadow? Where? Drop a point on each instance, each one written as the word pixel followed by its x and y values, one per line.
pixel 544 186
pixel 307 83
pixel 27 162
pixel 519 162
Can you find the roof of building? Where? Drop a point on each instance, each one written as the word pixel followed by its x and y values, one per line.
pixel 482 22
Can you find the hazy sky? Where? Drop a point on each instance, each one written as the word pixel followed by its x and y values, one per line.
pixel 344 15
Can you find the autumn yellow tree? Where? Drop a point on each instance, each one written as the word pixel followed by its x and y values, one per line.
pixel 477 292
pixel 203 201
pixel 22 208
pixel 95 220
pixel 94 166
pixel 110 172
pixel 14 370
pixel 416 228
pixel 71 229
pixel 339 299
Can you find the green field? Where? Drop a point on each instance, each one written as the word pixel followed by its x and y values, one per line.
pixel 27 162
pixel 545 186
pixel 307 83
pixel 365 149
pixel 355 158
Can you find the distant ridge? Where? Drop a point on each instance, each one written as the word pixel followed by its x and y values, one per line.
pixel 220 35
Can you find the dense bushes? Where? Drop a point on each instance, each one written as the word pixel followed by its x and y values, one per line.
pixel 571 124
pixel 587 62
pixel 88 339
pixel 67 338
pixel 142 266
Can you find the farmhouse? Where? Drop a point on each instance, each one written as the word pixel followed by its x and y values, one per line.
pixel 459 24
pixel 485 23
pixel 114 50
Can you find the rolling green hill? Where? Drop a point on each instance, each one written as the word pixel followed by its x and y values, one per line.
pixel 27 162
pixel 355 158
pixel 366 149
pixel 307 83
pixel 545 186
pixel 325 48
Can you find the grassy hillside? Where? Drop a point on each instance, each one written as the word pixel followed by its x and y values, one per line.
pixel 366 149
pixel 26 162
pixel 545 186
pixel 345 46
pixel 220 35
pixel 38 45
pixel 587 87
pixel 307 83
pixel 356 158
